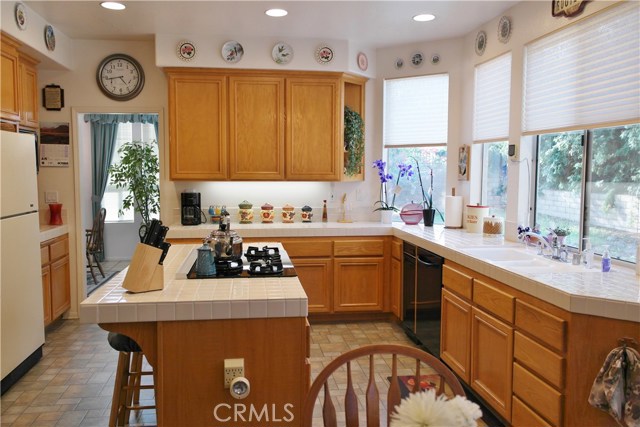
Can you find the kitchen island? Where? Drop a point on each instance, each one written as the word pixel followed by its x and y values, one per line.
pixel 187 330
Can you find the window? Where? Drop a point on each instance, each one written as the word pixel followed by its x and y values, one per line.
pixel 113 196
pixel 416 117
pixel 608 191
pixel 494 177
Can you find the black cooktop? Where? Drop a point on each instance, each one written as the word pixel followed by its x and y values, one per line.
pixel 255 262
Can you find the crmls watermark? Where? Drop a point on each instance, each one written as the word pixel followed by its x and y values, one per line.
pixel 225 413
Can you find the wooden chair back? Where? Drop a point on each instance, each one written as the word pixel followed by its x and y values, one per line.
pixel 96 234
pixel 372 395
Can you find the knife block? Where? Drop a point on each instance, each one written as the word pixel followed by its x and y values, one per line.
pixel 144 274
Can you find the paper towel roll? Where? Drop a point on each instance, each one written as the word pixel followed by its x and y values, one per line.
pixel 453 211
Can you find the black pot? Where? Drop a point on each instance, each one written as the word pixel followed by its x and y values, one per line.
pixel 428 215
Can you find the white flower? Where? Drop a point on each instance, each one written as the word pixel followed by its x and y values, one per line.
pixel 425 409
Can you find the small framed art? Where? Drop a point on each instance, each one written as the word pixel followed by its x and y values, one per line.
pixel 53 97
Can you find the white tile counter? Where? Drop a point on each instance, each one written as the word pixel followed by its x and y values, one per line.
pixel 48 232
pixel 615 294
pixel 195 299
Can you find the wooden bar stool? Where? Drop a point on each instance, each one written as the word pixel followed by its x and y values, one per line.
pixel 128 381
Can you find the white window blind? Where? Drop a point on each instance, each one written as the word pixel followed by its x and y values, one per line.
pixel 492 100
pixel 586 75
pixel 416 111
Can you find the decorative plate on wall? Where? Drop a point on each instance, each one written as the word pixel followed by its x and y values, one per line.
pixel 282 53
pixel 399 63
pixel 324 54
pixel 417 58
pixel 21 16
pixel 435 58
pixel 363 62
pixel 481 42
pixel 504 29
pixel 49 38
pixel 232 51
pixel 186 50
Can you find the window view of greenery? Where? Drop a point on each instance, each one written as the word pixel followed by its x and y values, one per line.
pixel 428 158
pixel 612 188
pixel 494 177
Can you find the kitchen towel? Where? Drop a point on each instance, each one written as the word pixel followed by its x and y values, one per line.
pixel 453 212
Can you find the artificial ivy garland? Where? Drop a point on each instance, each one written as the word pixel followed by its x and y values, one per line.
pixel 353 141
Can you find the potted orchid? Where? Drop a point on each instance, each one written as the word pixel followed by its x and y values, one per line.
pixel 385 206
pixel 429 210
pixel 425 409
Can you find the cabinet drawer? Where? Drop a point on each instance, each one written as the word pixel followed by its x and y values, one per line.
pixel 396 249
pixel 59 248
pixel 457 281
pixel 539 359
pixel 522 415
pixel 537 394
pixel 308 248
pixel 44 255
pixel 544 326
pixel 358 248
pixel 497 302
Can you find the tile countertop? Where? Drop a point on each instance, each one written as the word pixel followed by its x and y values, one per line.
pixel 615 294
pixel 195 299
pixel 48 232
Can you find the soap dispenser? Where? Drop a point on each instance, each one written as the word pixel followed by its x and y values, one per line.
pixel 606 259
pixel 588 253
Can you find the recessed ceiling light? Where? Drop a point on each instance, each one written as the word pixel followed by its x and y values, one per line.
pixel 276 13
pixel 112 5
pixel 424 17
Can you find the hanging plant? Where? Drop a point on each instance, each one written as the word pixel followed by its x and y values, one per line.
pixel 353 141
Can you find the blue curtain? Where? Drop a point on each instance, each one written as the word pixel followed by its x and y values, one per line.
pixel 104 129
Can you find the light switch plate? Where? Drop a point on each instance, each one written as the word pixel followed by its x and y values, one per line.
pixel 51 197
pixel 233 368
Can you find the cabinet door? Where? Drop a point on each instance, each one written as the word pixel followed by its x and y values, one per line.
pixel 314 124
pixel 9 101
pixel 256 128
pixel 198 127
pixel 29 93
pixel 492 361
pixel 455 333
pixel 60 287
pixel 46 294
pixel 396 286
pixel 358 284
pixel 316 277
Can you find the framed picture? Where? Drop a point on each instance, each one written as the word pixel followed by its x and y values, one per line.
pixel 463 163
pixel 53 97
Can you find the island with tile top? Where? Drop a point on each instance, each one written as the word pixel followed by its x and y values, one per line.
pixel 188 329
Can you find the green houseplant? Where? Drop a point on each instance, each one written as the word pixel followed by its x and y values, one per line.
pixel 353 141
pixel 429 210
pixel 138 171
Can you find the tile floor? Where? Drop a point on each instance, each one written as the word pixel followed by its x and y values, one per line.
pixel 73 383
pixel 108 267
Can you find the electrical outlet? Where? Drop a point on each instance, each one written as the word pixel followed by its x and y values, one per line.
pixel 233 368
pixel 358 195
pixel 51 197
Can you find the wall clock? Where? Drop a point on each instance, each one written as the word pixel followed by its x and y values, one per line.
pixel 120 77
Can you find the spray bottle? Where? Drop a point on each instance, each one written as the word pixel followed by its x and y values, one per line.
pixel 606 259
pixel 587 253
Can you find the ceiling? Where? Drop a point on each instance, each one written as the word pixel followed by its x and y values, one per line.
pixel 370 23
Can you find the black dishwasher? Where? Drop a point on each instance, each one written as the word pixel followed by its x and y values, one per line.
pixel 422 290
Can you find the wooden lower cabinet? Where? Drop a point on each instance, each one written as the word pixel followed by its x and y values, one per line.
pixel 395 280
pixel 316 277
pixel 491 360
pixel 358 284
pixel 523 416
pixel 56 277
pixel 455 335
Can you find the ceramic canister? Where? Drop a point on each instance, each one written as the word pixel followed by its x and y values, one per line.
pixel 267 214
pixel 474 218
pixel 245 212
pixel 288 212
pixel 306 214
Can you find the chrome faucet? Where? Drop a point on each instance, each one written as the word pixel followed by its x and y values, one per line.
pixel 529 238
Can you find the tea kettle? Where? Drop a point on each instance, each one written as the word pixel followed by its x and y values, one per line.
pixel 205 263
pixel 226 243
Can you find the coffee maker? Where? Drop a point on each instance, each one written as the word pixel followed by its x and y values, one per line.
pixel 190 213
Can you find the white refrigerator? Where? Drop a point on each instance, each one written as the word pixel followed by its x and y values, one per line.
pixel 21 306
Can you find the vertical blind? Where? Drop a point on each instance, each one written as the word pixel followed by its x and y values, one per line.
pixel 416 111
pixel 492 95
pixel 586 75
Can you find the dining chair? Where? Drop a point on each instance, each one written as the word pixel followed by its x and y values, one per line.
pixel 411 370
pixel 95 243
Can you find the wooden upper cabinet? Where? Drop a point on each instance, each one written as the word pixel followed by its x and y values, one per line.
pixel 197 126
pixel 256 128
pixel 9 102
pixel 28 91
pixel 314 117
